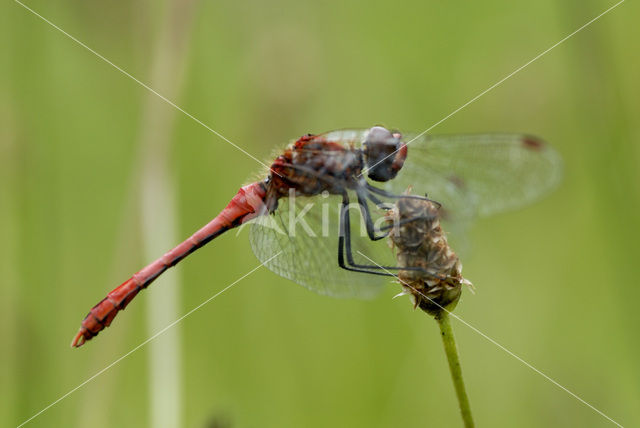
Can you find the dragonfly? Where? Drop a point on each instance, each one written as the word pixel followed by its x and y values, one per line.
pixel 300 212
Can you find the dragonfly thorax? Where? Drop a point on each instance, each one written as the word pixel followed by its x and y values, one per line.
pixel 313 165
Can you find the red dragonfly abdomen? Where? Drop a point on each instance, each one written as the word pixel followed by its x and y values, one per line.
pixel 245 205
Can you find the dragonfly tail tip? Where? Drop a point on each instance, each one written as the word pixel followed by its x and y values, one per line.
pixel 78 340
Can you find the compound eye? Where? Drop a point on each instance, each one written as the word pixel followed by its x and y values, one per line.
pixel 382 160
pixel 378 134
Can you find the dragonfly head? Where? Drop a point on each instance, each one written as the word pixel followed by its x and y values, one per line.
pixel 384 153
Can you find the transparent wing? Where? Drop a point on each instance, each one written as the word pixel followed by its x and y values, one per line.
pixel 479 173
pixel 354 137
pixel 488 173
pixel 304 232
pixel 469 174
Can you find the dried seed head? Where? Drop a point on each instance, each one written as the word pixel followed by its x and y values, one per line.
pixel 436 280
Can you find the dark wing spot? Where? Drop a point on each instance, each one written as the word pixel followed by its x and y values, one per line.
pixel 457 181
pixel 532 142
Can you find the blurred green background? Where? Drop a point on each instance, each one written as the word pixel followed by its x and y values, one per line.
pixel 557 283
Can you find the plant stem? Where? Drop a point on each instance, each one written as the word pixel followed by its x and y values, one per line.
pixel 451 350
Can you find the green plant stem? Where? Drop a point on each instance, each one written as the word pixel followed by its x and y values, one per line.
pixel 451 350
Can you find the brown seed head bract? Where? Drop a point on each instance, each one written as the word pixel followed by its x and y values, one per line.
pixel 420 242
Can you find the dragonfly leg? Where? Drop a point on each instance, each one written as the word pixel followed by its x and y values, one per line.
pixel 344 243
pixel 368 221
pixel 379 203
pixel 385 205
pixel 405 221
pixel 344 248
pixel 362 201
pixel 382 192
